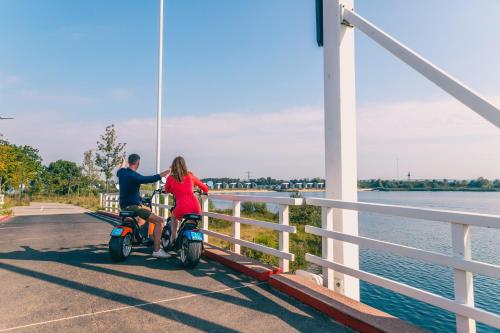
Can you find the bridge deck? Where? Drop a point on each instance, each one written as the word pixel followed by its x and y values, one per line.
pixel 56 276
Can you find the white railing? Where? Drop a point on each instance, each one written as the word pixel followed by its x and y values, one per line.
pixel 282 226
pixel 110 202
pixel 461 262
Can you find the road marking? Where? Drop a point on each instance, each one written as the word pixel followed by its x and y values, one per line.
pixel 21 239
pixel 130 307
pixel 12 228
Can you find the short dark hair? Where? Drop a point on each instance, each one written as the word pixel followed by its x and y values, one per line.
pixel 133 158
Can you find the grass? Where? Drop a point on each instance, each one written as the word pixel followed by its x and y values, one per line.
pixel 10 202
pixel 300 243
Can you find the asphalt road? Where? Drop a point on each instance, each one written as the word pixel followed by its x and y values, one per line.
pixel 56 276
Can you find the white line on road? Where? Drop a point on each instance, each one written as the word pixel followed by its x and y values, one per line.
pixel 12 228
pixel 20 239
pixel 131 306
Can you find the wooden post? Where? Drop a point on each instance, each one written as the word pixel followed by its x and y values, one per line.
pixel 236 226
pixel 284 237
pixel 204 208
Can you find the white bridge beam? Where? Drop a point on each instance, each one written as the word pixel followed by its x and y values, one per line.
pixel 452 86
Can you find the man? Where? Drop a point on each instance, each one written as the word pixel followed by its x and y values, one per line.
pixel 130 182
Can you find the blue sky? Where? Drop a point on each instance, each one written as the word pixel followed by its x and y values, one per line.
pixel 84 64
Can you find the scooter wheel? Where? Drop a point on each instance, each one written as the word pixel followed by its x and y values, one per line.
pixel 120 247
pixel 190 253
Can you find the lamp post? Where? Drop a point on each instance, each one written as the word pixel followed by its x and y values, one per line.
pixel 159 102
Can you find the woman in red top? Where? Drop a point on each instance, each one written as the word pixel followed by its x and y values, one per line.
pixel 181 183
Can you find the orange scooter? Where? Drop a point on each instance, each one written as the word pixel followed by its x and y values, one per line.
pixel 130 233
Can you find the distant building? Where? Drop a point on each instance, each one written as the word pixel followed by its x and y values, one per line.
pixel 284 186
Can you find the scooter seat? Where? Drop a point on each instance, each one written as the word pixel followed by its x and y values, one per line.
pixel 127 213
pixel 195 217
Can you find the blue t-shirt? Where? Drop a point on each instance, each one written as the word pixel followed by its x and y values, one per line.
pixel 130 182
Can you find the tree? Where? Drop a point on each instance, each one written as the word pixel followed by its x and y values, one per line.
pixel 109 153
pixel 62 176
pixel 89 169
pixel 19 165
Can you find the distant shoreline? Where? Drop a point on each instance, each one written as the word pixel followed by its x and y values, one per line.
pixel 364 190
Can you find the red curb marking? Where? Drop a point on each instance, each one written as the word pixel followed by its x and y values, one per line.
pixel 5 218
pixel 260 276
pixel 323 307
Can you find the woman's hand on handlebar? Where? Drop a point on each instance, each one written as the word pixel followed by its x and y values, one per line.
pixel 200 192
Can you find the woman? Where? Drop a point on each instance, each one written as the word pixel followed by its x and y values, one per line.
pixel 181 183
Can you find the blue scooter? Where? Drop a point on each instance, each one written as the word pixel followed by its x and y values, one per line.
pixel 189 241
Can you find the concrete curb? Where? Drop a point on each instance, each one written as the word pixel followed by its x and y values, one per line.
pixel 351 313
pixel 240 263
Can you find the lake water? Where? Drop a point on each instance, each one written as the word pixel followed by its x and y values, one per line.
pixel 432 236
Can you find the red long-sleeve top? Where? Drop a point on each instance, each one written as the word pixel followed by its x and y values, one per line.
pixel 185 200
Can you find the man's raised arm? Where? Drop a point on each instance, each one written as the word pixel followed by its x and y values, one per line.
pixel 140 179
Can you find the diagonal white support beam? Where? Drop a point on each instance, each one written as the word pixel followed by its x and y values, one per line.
pixel 435 74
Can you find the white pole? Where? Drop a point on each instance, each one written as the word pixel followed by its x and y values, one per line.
pixel 160 89
pixel 340 137
pixel 464 286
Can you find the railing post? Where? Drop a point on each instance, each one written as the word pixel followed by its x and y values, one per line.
pixel 204 208
pixel 340 135
pixel 327 246
pixel 101 202
pixel 106 202
pixel 154 209
pixel 464 289
pixel 284 237
pixel 165 210
pixel 236 226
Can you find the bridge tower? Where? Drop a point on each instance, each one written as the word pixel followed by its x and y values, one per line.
pixel 340 143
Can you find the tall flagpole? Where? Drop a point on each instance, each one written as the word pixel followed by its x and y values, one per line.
pixel 160 85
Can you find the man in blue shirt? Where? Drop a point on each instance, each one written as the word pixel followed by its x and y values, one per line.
pixel 130 182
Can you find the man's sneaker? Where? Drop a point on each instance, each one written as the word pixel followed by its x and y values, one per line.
pixel 161 254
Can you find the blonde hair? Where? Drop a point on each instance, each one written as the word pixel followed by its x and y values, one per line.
pixel 179 169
